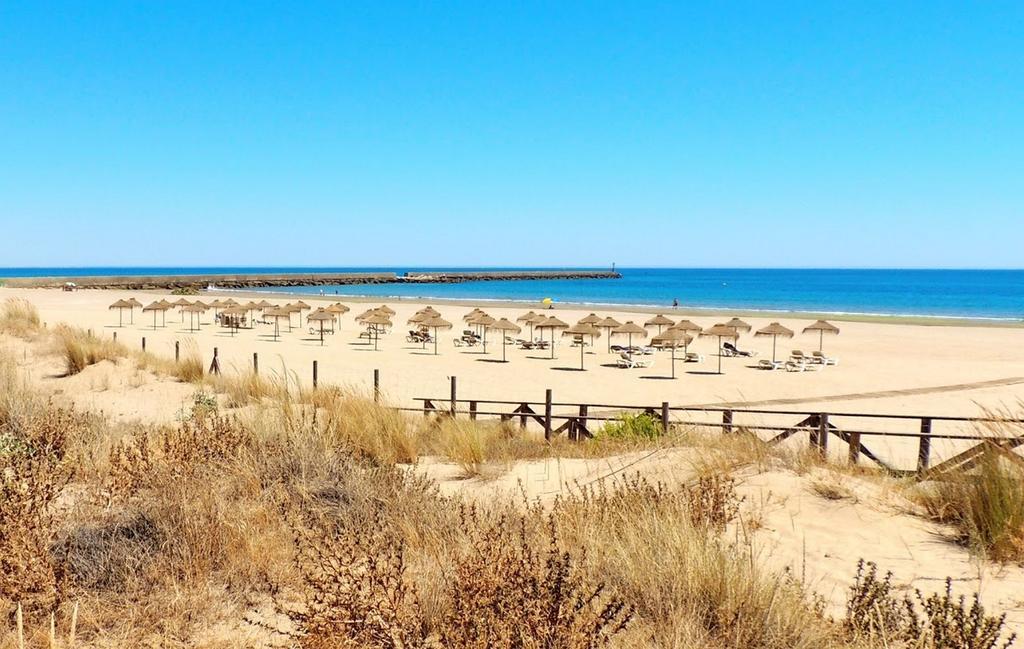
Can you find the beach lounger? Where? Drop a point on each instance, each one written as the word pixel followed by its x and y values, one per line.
pixel 731 350
pixel 795 366
pixel 626 361
pixel 820 357
pixel 797 355
pixel 693 357
pixel 315 331
pixel 765 364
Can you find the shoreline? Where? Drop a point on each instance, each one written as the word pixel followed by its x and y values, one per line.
pixel 683 310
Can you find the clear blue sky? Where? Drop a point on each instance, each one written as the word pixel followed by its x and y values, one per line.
pixel 557 133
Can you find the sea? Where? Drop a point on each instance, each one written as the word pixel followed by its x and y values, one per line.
pixel 971 294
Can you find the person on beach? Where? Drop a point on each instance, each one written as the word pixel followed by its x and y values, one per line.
pixel 675 303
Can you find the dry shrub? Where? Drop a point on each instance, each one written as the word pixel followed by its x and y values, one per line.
pixel 19 317
pixel 372 431
pixel 874 613
pixel 80 349
pixel 34 469
pixel 985 505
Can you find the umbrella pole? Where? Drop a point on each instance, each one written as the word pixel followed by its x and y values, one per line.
pixel 821 338
pixel 503 345
pixel 673 361
pixel 774 338
pixel 581 358
pixel 321 333
pixel 719 354
pixel 435 341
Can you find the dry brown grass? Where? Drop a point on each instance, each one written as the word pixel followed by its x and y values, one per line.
pixel 79 348
pixel 19 317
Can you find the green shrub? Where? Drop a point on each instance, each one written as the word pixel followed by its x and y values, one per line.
pixel 631 426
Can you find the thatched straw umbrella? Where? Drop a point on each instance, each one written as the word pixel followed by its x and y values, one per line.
pixel 673 338
pixel 630 329
pixel 505 327
pixel 386 310
pixel 181 302
pixel 483 321
pixel 551 323
pixel 157 307
pixel 591 319
pixel 375 321
pixel 720 331
pixel 302 307
pixel 277 313
pixel 608 324
pixel 582 329
pixel 472 315
pixel 436 322
pixel 418 319
pixel 774 330
pixel 231 317
pixel 689 328
pixel 738 325
pixel 133 304
pixel 230 302
pixel 263 304
pixel 659 321
pixel 250 308
pixel 196 310
pixel 337 309
pixel 529 318
pixel 216 305
pixel 321 316
pixel 429 310
pixel 822 327
pixel 120 305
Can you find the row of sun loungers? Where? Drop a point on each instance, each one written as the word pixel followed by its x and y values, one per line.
pixel 799 362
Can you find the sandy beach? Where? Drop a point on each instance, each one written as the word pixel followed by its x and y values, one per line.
pixel 884 368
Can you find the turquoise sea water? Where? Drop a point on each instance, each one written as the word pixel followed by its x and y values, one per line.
pixel 982 294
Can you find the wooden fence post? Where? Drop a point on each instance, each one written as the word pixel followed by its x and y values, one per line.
pixel 821 440
pixel 472 410
pixel 924 448
pixel 115 335
pixel 854 448
pixel 215 364
pixel 583 421
pixel 454 396
pixel 664 417
pixel 255 363
pixel 376 386
pixel 547 414
pixel 177 351
pixel 143 343
pixel 727 421
pixel 315 377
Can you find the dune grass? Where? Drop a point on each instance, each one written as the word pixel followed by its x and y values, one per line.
pixel 20 318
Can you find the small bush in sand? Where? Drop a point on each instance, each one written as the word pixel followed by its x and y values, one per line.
pixel 19 317
pixel 80 349
pixel 631 426
pixel 876 614
pixel 477 446
pixel 984 504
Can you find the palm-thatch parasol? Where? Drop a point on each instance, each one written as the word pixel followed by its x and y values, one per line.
pixel 473 314
pixel 551 323
pixel 720 331
pixel 436 322
pixel 196 309
pixel 774 330
pixel 230 302
pixel 659 321
pixel 322 316
pixel 608 324
pixel 630 329
pixel 133 304
pixel 582 329
pixel 302 307
pixel 277 313
pixel 337 309
pixel 673 338
pixel 120 305
pixel 822 327
pixel 386 310
pixel 157 307
pixel 591 319
pixel 505 326
pixel 690 329
pixel 483 321
pixel 738 325
pixel 429 310
pixel 231 317
pixel 529 318
pixel 376 321
pixel 263 304
pixel 181 302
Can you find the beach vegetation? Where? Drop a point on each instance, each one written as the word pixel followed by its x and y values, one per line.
pixel 19 317
pixel 631 427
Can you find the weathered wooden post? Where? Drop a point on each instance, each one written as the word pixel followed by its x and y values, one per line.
pixel 664 417
pixel 854 448
pixel 547 414
pixel 472 410
pixel 177 351
pixel 143 343
pixel 215 364
pixel 727 421
pixel 822 437
pixel 115 335
pixel 581 423
pixel 376 386
pixel 454 404
pixel 924 448
pixel 255 363
pixel 314 374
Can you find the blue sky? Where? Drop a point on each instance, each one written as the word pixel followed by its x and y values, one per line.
pixel 374 133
